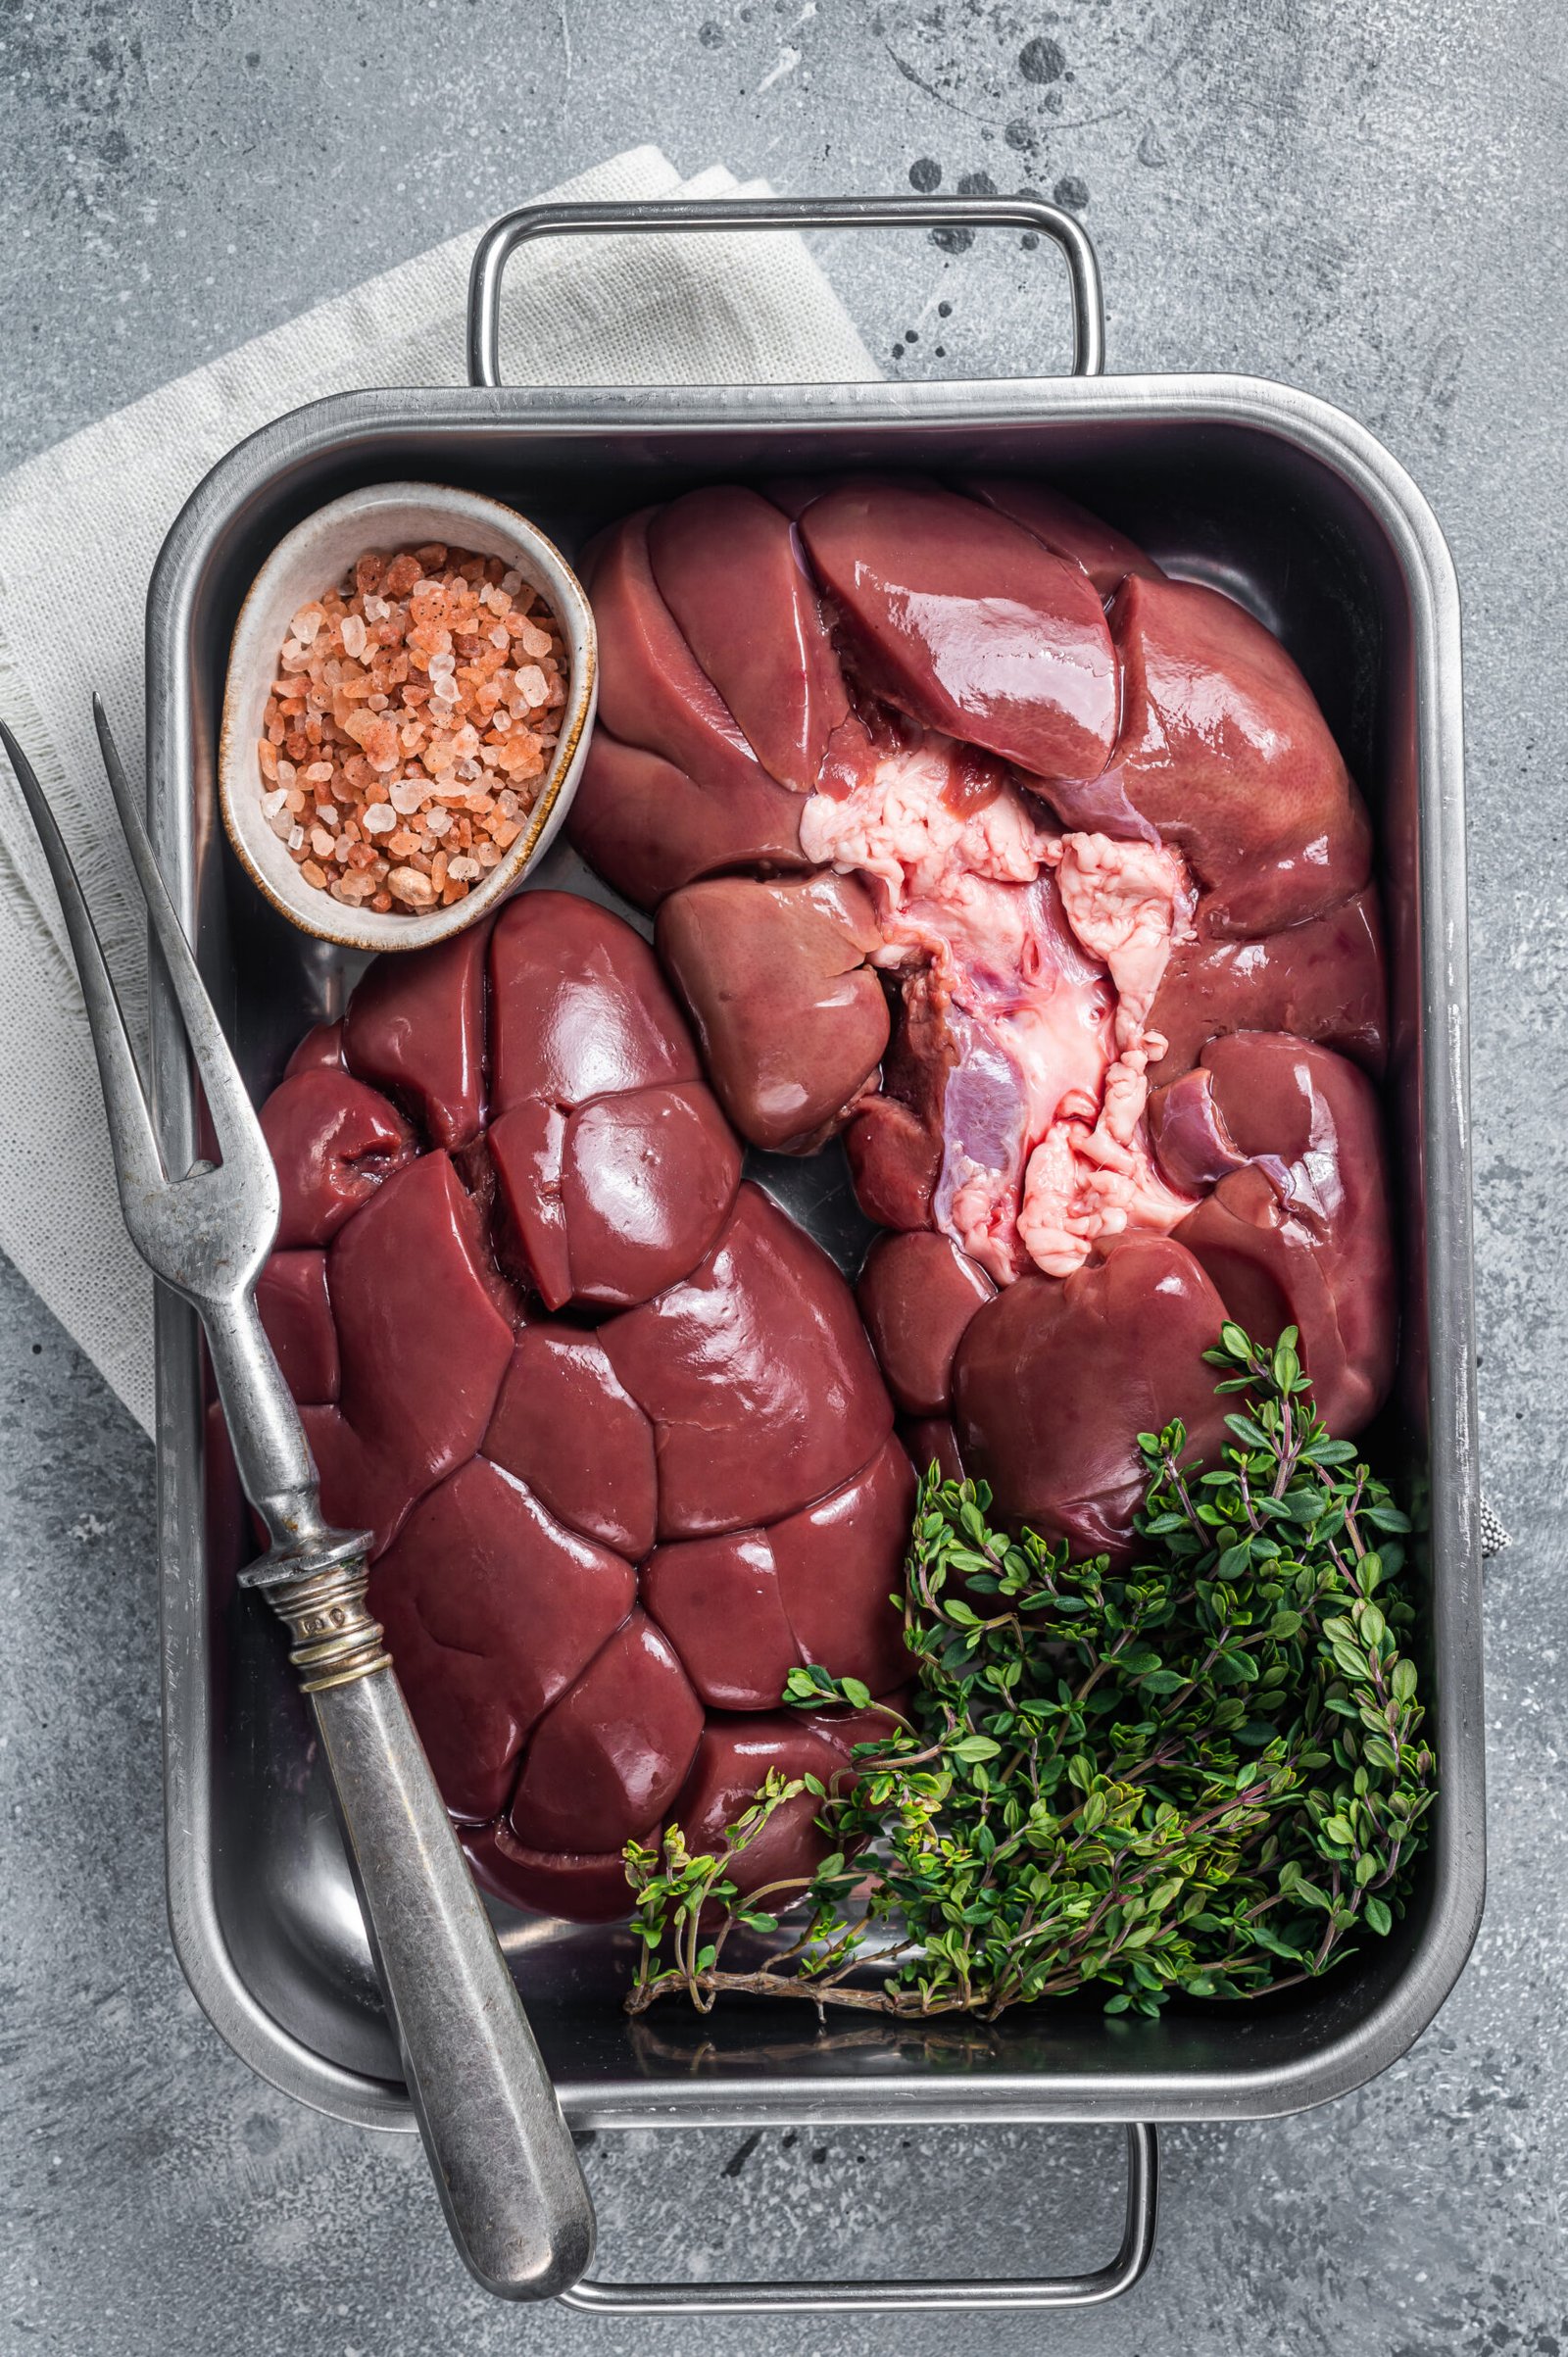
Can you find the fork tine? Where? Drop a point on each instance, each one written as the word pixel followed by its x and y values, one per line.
pixel 138 1164
pixel 239 1133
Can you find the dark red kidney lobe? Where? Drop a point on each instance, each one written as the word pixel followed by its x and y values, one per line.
pixel 1303 1234
pixel 718 1601
pixel 611 1158
pixel 791 1020
pixel 1325 980
pixel 1069 531
pixel 649 827
pixel 917 1293
pixel 423 1344
pixel 492 1610
pixel 832 1562
pixel 965 621
pixel 578 1006
pixel 563 1425
pixel 769 654
pixel 1224 751
pixel 609 1758
pixel 762 1338
pixel 291 1301
pixel 334 1141
pixel 652 689
pixel 1056 1379
pixel 415 1028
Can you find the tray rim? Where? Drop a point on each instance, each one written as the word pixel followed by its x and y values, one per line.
pixel 1348 449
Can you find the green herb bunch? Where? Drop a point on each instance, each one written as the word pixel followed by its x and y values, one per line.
pixel 1204 1774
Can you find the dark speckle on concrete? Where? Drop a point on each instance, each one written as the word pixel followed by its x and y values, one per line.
pixel 1291 189
pixel 959 242
pixel 1042 60
pixel 742 2153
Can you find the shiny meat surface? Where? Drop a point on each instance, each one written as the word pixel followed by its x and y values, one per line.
pixel 1053 1381
pixel 1109 845
pixel 960 618
pixel 610 1418
pixel 789 1014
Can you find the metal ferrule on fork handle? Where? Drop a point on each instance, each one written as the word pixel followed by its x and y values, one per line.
pixel 336 1637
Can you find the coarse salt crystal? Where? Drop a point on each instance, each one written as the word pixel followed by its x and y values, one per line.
pixel 272 802
pixel 306 622
pixel 438 821
pixel 532 685
pixel 354 636
pixel 411 884
pixel 379 819
pixel 407 798
pixel 499 636
pixel 296 838
pixel 511 582
pixel 464 870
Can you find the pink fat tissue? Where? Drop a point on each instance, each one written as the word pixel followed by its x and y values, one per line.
pixel 1044 953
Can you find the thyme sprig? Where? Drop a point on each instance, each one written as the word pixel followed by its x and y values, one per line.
pixel 1204 1774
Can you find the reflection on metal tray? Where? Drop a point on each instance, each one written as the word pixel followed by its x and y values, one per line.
pixel 1299 512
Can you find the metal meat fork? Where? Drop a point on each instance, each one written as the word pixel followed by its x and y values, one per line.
pixel 502 2154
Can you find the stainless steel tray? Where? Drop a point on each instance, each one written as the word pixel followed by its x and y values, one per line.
pixel 1296 509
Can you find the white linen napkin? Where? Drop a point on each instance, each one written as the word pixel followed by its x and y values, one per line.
pixel 80 529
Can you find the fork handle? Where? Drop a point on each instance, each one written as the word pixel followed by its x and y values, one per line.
pixel 501 2152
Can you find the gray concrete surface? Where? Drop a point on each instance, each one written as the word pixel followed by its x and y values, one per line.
pixel 1366 201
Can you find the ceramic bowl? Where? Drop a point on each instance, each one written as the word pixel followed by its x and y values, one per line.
pixel 310 561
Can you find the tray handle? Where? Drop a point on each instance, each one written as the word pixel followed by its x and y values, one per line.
pixel 923 2295
pixel 504 237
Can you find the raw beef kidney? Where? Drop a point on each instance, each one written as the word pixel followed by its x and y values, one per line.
pixel 1084 827
pixel 610 1418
